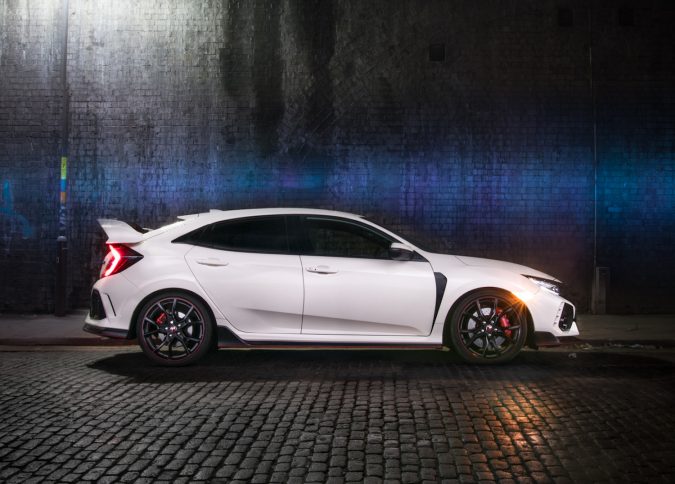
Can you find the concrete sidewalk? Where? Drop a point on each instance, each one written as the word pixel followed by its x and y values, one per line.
pixel 46 329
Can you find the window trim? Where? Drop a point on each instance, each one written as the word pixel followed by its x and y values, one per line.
pixel 297 238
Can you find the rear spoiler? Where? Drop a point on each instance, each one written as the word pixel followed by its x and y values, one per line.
pixel 120 232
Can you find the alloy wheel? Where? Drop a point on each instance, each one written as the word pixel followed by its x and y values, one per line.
pixel 173 328
pixel 488 326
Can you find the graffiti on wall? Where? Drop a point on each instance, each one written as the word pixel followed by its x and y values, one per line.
pixel 13 225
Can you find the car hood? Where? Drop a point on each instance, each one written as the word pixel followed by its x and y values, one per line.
pixel 507 266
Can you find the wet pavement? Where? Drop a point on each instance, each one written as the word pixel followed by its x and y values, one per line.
pixel 108 415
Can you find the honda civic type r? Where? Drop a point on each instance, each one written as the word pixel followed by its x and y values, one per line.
pixel 293 277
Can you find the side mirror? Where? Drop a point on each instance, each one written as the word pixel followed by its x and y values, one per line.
pixel 399 251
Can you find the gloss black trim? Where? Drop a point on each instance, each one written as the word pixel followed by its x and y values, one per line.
pixel 96 309
pixel 441 282
pixel 107 332
pixel 544 338
pixel 227 338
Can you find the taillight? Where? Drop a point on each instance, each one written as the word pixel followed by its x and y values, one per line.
pixel 118 258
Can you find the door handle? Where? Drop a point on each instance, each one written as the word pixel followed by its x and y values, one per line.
pixel 212 262
pixel 321 269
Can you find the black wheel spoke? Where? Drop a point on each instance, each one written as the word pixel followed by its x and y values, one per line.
pixel 187 324
pixel 187 348
pixel 489 343
pixel 480 311
pixel 187 315
pixel 494 309
pixel 164 312
pixel 475 318
pixel 474 338
pixel 498 349
pixel 164 341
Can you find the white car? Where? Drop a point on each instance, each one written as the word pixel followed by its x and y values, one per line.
pixel 291 277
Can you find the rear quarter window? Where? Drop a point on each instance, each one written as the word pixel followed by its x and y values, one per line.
pixel 258 234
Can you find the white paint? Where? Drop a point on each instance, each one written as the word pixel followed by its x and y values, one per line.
pixel 273 297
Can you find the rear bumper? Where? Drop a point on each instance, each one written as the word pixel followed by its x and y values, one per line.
pixel 97 321
pixel 107 332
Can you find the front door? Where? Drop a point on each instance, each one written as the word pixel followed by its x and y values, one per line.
pixel 353 287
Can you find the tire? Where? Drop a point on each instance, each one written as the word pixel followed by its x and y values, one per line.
pixel 488 327
pixel 174 328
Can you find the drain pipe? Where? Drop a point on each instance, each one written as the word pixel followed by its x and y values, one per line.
pixel 60 295
pixel 600 274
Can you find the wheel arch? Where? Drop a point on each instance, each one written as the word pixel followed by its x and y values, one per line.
pixel 446 327
pixel 139 306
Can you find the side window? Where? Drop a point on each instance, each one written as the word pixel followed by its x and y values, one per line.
pixel 260 234
pixel 342 238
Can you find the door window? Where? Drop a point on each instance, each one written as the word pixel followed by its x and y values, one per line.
pixel 343 238
pixel 259 234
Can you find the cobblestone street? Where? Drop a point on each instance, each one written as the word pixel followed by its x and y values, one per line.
pixel 108 415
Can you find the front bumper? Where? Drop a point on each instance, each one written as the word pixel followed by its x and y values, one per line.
pixel 544 339
pixel 552 314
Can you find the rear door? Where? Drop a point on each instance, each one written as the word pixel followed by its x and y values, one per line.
pixel 352 286
pixel 246 268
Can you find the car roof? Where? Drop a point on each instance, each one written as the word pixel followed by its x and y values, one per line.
pixel 187 223
pixel 215 214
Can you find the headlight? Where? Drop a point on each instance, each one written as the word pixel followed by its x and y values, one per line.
pixel 548 284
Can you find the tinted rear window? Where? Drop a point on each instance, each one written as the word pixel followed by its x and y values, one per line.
pixel 260 234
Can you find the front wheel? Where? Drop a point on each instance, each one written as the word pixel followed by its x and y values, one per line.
pixel 488 326
pixel 174 329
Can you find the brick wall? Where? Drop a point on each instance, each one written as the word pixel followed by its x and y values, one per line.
pixel 635 73
pixel 31 101
pixel 180 106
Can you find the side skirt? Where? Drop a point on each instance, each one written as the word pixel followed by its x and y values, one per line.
pixel 227 339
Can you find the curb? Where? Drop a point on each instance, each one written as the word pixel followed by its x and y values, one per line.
pixel 66 342
pixel 663 343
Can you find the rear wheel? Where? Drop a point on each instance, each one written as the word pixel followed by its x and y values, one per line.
pixel 174 329
pixel 488 326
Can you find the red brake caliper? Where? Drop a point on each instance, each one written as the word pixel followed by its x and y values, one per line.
pixel 504 323
pixel 161 318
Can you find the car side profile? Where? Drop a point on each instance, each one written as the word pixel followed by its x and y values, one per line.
pixel 265 278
